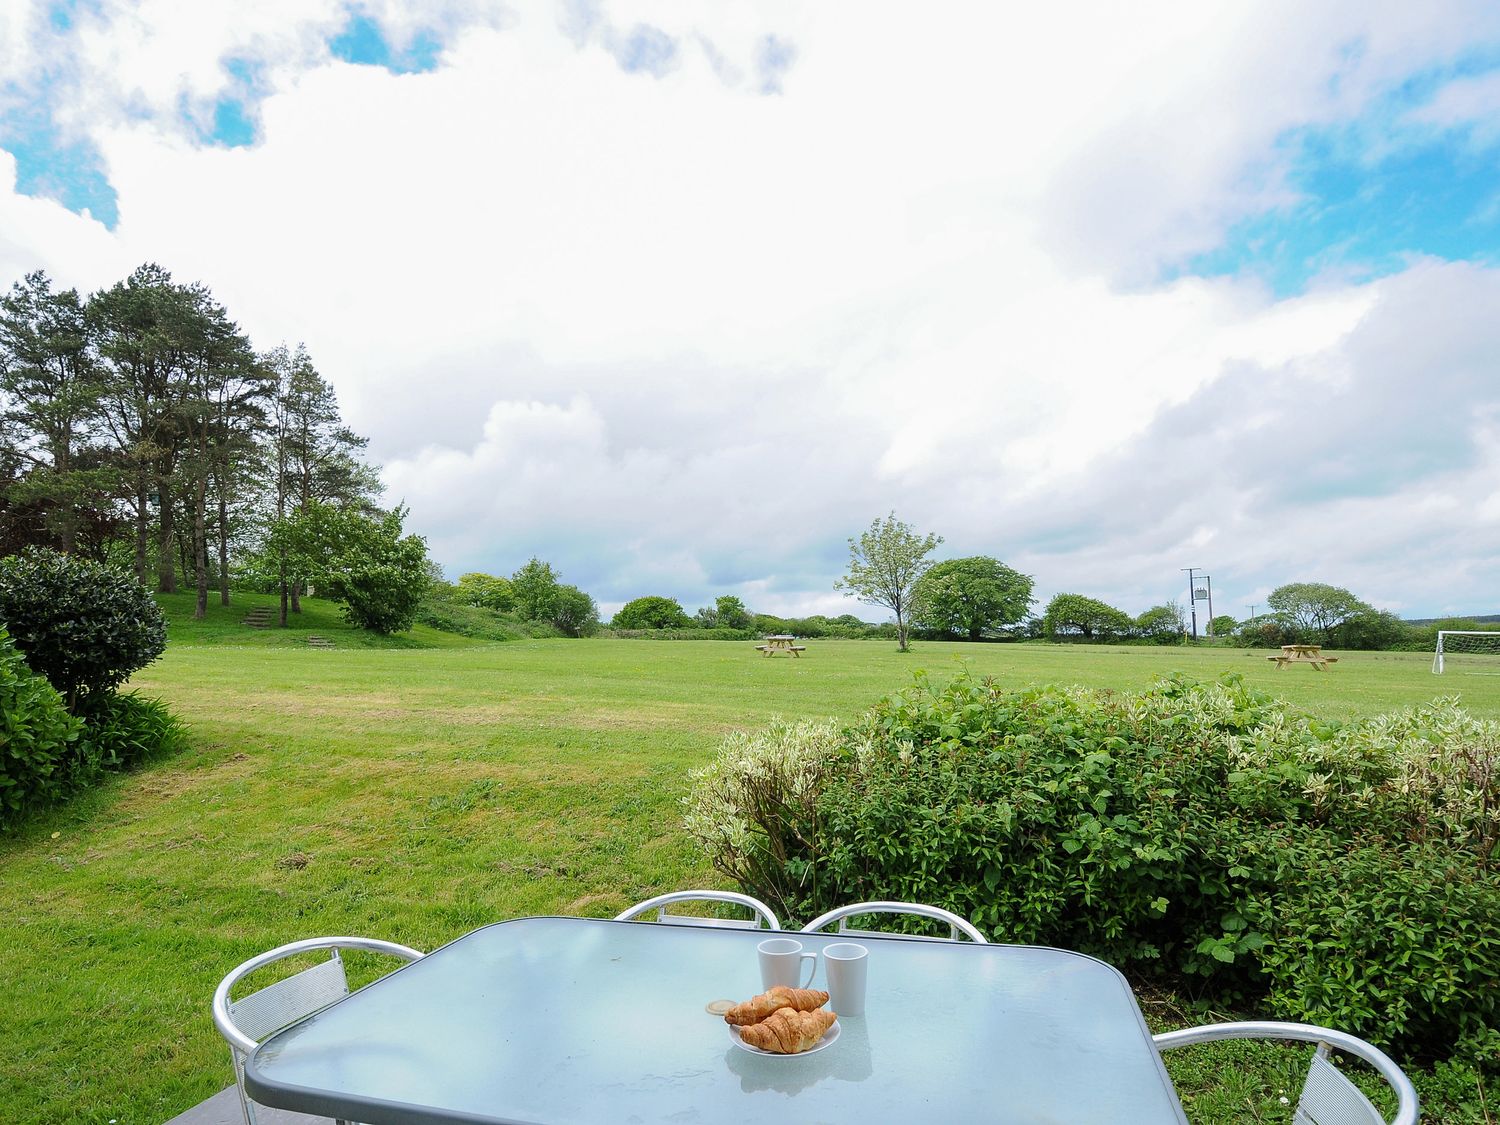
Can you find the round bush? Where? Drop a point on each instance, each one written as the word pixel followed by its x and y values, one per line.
pixel 651 612
pixel 83 626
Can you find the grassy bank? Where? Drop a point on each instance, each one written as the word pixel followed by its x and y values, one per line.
pixel 416 793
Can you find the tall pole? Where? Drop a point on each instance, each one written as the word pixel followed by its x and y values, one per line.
pixel 1192 599
pixel 1208 580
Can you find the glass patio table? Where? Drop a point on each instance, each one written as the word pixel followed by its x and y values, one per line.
pixel 588 1020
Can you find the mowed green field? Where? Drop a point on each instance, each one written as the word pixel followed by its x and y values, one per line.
pixel 415 794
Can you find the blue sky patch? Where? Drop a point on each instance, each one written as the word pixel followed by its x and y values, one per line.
pixel 67 171
pixel 1373 194
pixel 234 126
pixel 1367 219
pixel 235 121
pixel 61 13
pixel 363 43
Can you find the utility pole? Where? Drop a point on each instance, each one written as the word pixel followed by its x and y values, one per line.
pixel 1192 597
pixel 1208 581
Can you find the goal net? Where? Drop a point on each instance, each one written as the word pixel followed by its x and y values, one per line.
pixel 1477 651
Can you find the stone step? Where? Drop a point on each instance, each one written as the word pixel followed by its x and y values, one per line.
pixel 257 617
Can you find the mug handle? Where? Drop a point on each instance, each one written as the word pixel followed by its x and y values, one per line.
pixel 812 968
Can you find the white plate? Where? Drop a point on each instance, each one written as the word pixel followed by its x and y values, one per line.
pixel 829 1038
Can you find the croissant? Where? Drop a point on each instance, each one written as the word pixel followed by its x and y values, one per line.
pixel 755 1009
pixel 788 1032
pixel 802 999
pixel 759 1007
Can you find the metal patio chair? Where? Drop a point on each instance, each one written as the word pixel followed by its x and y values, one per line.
pixel 760 911
pixel 1328 1097
pixel 956 926
pixel 246 1021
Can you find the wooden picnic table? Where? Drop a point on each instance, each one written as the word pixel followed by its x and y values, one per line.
pixel 781 642
pixel 1303 654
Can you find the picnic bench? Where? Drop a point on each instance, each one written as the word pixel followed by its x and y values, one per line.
pixel 781 643
pixel 1303 654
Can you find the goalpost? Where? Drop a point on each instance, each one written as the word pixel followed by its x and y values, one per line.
pixel 1444 646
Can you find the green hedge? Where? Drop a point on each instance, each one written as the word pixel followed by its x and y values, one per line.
pixel 1339 874
pixel 39 740
pixel 48 754
pixel 691 634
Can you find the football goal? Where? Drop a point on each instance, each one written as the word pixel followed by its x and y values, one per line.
pixel 1483 647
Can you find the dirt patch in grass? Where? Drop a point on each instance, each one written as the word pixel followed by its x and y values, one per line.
pixel 594 905
pixel 681 716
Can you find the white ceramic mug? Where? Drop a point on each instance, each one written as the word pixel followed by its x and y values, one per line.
pixel 781 963
pixel 846 966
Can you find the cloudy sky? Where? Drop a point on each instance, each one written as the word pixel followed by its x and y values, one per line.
pixel 681 296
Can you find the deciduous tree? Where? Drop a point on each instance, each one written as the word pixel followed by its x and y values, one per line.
pixel 885 565
pixel 1161 623
pixel 730 613
pixel 574 613
pixel 535 589
pixel 966 597
pixel 1093 620
pixel 1315 608
pixel 485 590
pixel 364 562
pixel 651 612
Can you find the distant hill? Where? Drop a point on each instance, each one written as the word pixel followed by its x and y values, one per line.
pixel 1478 619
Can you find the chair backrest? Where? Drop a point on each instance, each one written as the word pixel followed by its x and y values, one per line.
pixel 244 1022
pixel 1328 1096
pixel 958 928
pixel 761 913
pixel 287 1001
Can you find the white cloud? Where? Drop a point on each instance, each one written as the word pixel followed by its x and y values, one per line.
pixel 38 234
pixel 680 338
pixel 1471 101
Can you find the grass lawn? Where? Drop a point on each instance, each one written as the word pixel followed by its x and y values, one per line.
pixel 414 793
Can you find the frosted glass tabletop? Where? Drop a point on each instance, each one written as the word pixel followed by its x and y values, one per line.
pixel 587 1020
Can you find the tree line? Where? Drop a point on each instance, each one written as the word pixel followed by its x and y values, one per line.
pixel 140 427
pixel 978 597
